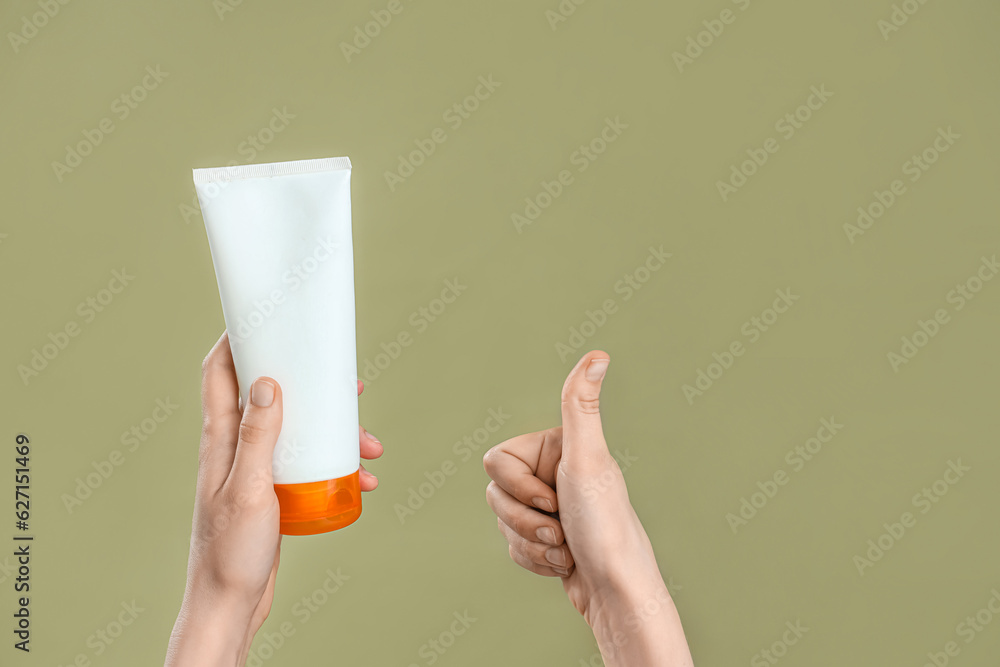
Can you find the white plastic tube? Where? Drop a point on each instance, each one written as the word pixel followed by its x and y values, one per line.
pixel 280 236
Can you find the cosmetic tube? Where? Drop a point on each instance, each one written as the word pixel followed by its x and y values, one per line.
pixel 280 238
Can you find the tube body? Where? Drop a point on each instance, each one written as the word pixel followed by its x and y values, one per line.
pixel 280 237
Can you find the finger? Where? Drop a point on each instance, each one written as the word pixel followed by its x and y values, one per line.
pixel 532 566
pixel 532 558
pixel 369 482
pixel 258 435
pixel 525 521
pixel 582 433
pixel 525 467
pixel 220 395
pixel 371 448
pixel 540 554
pixel 220 391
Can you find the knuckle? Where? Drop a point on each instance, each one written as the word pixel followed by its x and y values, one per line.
pixel 259 482
pixel 211 428
pixel 516 524
pixel 249 497
pixel 587 406
pixel 492 489
pixel 251 433
pixel 490 461
pixel 258 501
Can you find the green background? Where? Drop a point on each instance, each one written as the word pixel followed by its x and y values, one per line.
pixel 124 206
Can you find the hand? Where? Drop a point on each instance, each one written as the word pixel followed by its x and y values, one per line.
pixel 235 544
pixel 562 504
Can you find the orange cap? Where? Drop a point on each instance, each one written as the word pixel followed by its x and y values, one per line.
pixel 319 507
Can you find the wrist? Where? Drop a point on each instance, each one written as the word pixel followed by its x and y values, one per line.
pixel 627 596
pixel 209 631
pixel 629 614
pixel 628 579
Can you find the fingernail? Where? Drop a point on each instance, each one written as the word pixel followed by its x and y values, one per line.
pixel 596 369
pixel 262 393
pixel 373 438
pixel 559 570
pixel 543 504
pixel 547 535
pixel 556 557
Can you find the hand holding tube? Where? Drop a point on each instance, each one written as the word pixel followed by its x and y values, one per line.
pixel 562 505
pixel 235 544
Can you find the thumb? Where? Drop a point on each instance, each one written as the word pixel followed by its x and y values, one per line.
pixel 581 416
pixel 259 431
